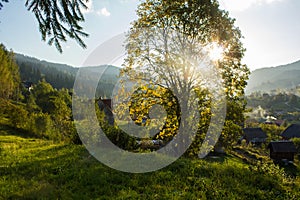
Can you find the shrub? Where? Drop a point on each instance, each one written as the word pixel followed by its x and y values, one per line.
pixel 297 144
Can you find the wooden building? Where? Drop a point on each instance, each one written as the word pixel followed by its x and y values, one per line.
pixel 105 105
pixel 293 131
pixel 254 135
pixel 282 150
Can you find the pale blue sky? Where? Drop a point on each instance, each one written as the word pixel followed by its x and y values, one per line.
pixel 271 29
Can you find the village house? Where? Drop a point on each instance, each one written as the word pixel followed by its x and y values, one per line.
pixel 105 105
pixel 254 135
pixel 274 120
pixel 28 85
pixel 293 131
pixel 282 150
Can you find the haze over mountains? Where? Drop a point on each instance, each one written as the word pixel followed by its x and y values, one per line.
pixel 284 77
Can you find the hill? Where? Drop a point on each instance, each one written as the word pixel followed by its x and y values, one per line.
pixel 62 75
pixel 284 77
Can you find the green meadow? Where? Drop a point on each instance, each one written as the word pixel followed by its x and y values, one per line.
pixel 32 168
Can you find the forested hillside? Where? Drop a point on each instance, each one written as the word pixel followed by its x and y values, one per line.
pixel 285 77
pixel 33 70
pixel 61 75
pixel 282 77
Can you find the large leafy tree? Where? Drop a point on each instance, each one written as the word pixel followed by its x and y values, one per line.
pixel 169 41
pixel 57 105
pixel 58 20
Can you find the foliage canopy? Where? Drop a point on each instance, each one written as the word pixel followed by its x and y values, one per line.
pixel 9 75
pixel 168 43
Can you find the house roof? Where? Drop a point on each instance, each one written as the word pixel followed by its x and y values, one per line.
pixel 27 84
pixel 292 131
pixel 279 122
pixel 105 102
pixel 251 133
pixel 283 146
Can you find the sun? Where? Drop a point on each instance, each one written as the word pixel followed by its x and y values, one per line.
pixel 215 52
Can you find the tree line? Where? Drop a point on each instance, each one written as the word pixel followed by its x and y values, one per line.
pixel 43 111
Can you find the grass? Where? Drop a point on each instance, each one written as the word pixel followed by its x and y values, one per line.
pixel 32 168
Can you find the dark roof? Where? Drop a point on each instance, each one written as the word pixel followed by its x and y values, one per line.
pixel 27 84
pixel 279 122
pixel 105 102
pixel 292 131
pixel 251 133
pixel 283 146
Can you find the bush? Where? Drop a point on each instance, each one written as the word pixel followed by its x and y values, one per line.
pixel 297 144
pixel 272 131
pixel 42 125
pixel 18 116
pixel 119 137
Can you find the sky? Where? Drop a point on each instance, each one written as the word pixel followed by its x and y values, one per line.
pixel 271 30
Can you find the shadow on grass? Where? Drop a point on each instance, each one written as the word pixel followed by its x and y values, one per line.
pixel 290 169
pixel 69 172
pixel 8 130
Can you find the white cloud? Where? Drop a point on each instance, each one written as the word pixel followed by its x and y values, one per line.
pixel 90 7
pixel 103 12
pixel 91 10
pixel 241 5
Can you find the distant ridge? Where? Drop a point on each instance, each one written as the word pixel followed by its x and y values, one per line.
pixel 283 77
pixel 62 75
pixel 58 66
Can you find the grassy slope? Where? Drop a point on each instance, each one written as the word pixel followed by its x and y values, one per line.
pixel 39 169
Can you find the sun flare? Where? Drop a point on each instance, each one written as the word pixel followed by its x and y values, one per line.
pixel 215 52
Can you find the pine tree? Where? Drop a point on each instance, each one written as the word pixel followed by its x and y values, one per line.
pixel 58 20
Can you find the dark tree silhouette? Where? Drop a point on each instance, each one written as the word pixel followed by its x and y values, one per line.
pixel 1 5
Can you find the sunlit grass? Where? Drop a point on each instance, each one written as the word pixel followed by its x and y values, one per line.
pixel 32 168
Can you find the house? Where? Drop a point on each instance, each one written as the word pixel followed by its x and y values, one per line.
pixel 273 120
pixel 254 135
pixel 105 105
pixel 293 131
pixel 28 85
pixel 282 150
pixel 279 122
pixel 107 102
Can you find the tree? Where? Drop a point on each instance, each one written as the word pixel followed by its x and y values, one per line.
pixel 171 39
pixel 9 75
pixel 54 108
pixel 58 20
pixel 1 5
pixel 42 93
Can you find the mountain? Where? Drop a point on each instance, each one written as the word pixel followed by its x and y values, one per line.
pixel 20 58
pixel 33 70
pixel 284 77
pixel 62 75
